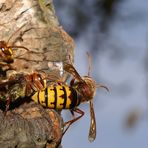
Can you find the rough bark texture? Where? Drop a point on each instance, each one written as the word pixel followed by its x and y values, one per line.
pixel 34 25
pixel 30 126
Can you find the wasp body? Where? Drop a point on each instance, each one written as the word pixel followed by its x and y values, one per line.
pixel 61 96
pixel 58 97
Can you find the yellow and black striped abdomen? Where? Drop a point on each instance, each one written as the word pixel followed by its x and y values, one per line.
pixel 57 97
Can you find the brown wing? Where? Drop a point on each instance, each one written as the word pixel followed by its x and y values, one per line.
pixel 70 69
pixel 92 130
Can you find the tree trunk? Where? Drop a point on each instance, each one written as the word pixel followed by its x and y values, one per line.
pixel 33 25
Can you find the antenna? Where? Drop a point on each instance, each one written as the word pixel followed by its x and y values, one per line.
pixel 15 33
pixel 89 63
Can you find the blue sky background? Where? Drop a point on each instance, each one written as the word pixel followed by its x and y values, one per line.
pixel 119 61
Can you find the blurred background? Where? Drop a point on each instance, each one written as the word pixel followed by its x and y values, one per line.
pixel 115 32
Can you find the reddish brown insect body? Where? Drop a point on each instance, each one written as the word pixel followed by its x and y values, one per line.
pixel 86 88
pixel 34 82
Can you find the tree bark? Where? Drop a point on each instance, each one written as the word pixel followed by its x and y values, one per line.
pixel 33 25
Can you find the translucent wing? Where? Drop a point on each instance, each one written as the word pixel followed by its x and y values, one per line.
pixel 70 69
pixel 92 130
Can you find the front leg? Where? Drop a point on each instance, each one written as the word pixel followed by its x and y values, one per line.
pixel 68 123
